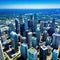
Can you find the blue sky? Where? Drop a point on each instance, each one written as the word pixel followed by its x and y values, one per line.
pixel 17 4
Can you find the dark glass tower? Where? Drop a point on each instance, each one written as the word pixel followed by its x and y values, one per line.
pixel 17 26
pixel 43 52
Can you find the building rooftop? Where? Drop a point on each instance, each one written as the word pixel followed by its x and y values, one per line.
pixel 32 50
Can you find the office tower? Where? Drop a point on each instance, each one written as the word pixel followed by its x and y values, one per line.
pixel 56 40
pixel 43 52
pixel 14 40
pixel 31 17
pixel 30 39
pixel 50 31
pixel 23 39
pixel 55 54
pixel 3 38
pixel 38 35
pixel 43 25
pixel 11 27
pixel 17 26
pixel 30 25
pixel 22 29
pixel 1 32
pixel 35 22
pixel 57 30
pixel 26 23
pixel 53 24
pixel 44 36
pixel 48 41
pixel 26 35
pixel 32 54
pixel 20 18
pixel 1 52
pixel 34 42
pixel 6 45
pixel 23 50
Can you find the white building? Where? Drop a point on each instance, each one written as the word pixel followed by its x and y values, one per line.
pixel 56 40
pixel 1 52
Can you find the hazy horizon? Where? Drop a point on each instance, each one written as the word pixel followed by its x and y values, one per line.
pixel 29 4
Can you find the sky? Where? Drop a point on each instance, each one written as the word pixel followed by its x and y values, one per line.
pixel 29 4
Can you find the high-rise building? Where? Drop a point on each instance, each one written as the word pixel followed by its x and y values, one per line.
pixel 34 42
pixel 23 50
pixel 22 29
pixel 52 28
pixel 14 40
pixel 23 39
pixel 50 31
pixel 1 52
pixel 38 35
pixel 11 28
pixel 1 32
pixel 56 40
pixel 26 24
pixel 17 26
pixel 48 41
pixel 44 36
pixel 55 54
pixel 53 24
pixel 43 25
pixel 43 52
pixel 30 25
pixel 57 30
pixel 35 22
pixel 26 35
pixel 20 18
pixel 32 54
pixel 30 39
pixel 3 38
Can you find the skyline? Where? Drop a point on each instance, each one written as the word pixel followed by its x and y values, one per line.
pixel 29 4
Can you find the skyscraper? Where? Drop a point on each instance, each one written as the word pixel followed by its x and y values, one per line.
pixel 55 54
pixel 48 41
pixel 35 22
pixel 32 54
pixel 53 24
pixel 30 25
pixel 26 24
pixel 1 52
pixel 1 32
pixel 22 29
pixel 30 39
pixel 34 42
pixel 56 40
pixel 23 50
pixel 14 40
pixel 17 26
pixel 38 35
pixel 26 33
pixel 43 52
pixel 11 28
pixel 44 36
